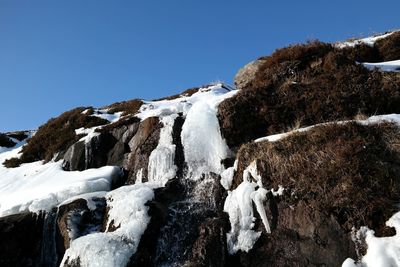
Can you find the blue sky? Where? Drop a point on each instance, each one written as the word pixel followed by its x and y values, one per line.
pixel 56 55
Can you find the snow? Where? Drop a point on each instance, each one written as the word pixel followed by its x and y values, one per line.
pixel 161 160
pixel 384 66
pixel 214 94
pixel 393 118
pixel 89 133
pixel 127 212
pixel 278 192
pixel 382 251
pixel 91 204
pixel 36 186
pixel 368 41
pixel 104 114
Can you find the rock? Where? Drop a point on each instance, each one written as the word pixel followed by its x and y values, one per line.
pixel 20 242
pixel 246 74
pixel 210 248
pixel 74 158
pixel 81 156
pixel 141 145
pixel 76 219
pixel 30 239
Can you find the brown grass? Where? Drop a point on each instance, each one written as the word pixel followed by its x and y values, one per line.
pixel 352 171
pixel 56 136
pixel 130 107
pixel 187 92
pixel 309 83
pixel 389 47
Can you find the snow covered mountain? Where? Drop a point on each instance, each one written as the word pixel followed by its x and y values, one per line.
pixel 299 165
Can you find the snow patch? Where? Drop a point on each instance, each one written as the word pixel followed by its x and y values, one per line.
pixel 370 41
pixel 104 114
pixel 392 118
pixel 183 104
pixel 384 66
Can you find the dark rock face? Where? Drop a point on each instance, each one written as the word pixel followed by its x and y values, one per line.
pixel 20 242
pixel 210 248
pixel 81 156
pixel 78 215
pixel 141 145
pixel 5 141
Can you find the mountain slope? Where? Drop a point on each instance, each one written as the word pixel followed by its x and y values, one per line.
pixel 299 165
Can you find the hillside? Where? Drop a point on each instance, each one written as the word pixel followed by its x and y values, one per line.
pixel 297 165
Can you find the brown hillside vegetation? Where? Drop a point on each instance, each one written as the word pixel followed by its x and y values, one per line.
pixel 349 171
pixel 130 107
pixel 56 136
pixel 305 85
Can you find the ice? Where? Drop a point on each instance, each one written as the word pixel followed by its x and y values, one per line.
pixel 259 197
pixel 227 177
pixel 161 161
pixel 384 66
pixel 239 206
pixel 129 214
pixel 204 148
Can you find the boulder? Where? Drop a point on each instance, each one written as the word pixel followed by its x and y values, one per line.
pixel 246 74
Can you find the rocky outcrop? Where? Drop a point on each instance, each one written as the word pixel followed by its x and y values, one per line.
pixel 247 74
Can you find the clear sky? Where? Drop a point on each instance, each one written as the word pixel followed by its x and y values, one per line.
pixel 56 55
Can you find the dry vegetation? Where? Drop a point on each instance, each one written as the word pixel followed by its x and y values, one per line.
pixel 56 136
pixel 310 84
pixel 187 92
pixel 349 171
pixel 130 107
